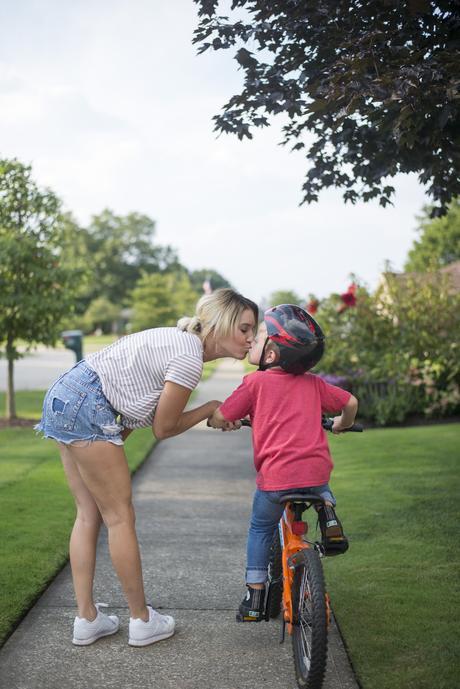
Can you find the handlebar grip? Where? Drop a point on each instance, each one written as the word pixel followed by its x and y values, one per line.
pixel 356 428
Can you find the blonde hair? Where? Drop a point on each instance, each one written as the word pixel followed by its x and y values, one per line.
pixel 217 313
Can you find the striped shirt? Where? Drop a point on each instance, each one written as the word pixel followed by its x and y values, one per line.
pixel 134 369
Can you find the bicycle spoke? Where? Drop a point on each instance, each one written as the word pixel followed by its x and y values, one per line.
pixel 305 621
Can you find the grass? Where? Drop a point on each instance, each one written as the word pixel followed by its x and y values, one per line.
pixel 95 342
pixel 28 403
pixel 394 593
pixel 36 509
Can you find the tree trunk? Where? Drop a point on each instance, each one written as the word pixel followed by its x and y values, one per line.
pixel 10 398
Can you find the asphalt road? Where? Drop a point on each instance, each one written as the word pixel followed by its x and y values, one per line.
pixel 37 370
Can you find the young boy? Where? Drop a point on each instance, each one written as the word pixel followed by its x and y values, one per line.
pixel 285 405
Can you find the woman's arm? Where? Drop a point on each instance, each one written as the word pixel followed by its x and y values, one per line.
pixel 170 418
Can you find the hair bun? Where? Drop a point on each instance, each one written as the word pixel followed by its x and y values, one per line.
pixel 189 325
pixel 195 325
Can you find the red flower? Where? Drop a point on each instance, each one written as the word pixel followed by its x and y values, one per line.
pixel 348 298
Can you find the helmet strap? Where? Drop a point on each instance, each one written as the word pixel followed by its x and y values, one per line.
pixel 262 365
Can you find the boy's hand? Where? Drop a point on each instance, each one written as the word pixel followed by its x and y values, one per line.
pixel 337 425
pixel 347 417
pixel 219 421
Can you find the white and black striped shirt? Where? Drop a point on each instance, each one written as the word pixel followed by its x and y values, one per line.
pixel 134 369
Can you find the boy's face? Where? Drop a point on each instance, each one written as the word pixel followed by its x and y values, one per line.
pixel 257 345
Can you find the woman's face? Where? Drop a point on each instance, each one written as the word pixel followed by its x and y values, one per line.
pixel 238 344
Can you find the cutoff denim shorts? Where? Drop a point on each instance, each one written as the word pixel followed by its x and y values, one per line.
pixel 75 410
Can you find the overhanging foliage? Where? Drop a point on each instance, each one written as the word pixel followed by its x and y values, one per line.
pixel 375 82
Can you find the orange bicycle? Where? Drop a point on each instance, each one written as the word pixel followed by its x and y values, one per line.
pixel 296 586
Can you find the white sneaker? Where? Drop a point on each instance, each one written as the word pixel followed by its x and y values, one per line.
pixel 156 628
pixel 86 632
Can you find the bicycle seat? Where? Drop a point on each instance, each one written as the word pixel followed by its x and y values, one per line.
pixel 301 497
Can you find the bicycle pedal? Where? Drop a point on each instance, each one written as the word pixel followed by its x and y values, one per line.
pixel 247 618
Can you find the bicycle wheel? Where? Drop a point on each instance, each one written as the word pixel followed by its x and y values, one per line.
pixel 309 639
pixel 275 578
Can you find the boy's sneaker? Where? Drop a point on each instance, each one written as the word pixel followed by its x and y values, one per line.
pixel 252 606
pixel 333 540
pixel 86 632
pixel 156 628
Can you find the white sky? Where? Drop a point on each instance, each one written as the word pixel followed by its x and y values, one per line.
pixel 109 102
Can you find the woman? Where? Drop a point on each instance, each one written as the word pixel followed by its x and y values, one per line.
pixel 146 379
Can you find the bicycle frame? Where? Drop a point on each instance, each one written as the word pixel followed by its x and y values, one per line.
pixel 292 546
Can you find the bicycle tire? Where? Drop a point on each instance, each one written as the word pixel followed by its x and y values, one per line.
pixel 309 638
pixel 275 578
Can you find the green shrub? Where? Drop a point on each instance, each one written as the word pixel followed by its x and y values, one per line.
pixel 397 349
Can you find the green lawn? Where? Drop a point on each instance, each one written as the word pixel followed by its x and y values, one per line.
pixel 396 591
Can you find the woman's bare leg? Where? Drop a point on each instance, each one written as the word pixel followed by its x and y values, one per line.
pixel 83 539
pixel 104 471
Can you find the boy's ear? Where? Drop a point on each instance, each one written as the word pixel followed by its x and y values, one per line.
pixel 270 357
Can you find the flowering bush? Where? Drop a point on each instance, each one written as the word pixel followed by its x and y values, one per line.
pixel 396 349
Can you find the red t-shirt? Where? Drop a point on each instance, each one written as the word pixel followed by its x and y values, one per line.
pixel 290 445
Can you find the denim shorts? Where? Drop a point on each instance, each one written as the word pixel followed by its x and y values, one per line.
pixel 75 410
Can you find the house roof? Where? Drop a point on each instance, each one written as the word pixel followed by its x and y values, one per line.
pixel 452 270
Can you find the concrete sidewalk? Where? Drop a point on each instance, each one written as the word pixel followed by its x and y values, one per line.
pixel 193 500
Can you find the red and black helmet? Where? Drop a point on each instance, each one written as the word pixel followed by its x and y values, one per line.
pixel 298 336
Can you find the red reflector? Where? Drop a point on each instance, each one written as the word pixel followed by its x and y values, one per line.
pixel 299 528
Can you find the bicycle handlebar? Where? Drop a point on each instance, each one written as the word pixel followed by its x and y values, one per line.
pixel 326 424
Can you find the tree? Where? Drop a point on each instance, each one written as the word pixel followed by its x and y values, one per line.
pixel 35 290
pixel 75 255
pixel 120 249
pixel 159 300
pixel 374 83
pixel 198 277
pixel 284 297
pixel 439 242
pixel 101 313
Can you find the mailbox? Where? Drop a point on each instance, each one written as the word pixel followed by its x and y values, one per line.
pixel 73 339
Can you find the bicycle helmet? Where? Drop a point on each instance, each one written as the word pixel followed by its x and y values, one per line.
pixel 299 338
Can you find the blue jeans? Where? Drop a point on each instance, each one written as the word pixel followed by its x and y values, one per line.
pixel 266 513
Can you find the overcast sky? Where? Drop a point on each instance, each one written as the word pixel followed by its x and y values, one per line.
pixel 109 102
